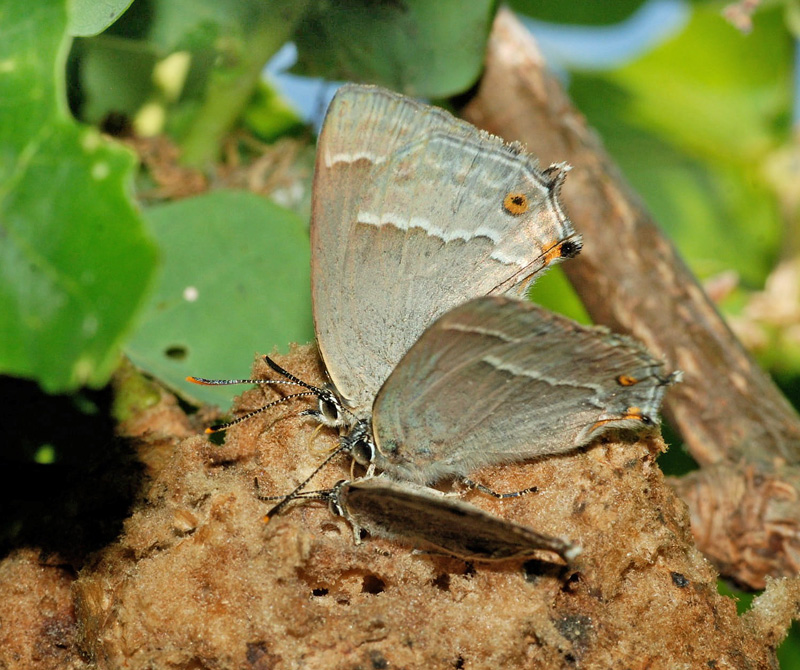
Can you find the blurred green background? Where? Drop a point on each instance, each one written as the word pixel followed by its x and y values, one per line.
pixel 110 245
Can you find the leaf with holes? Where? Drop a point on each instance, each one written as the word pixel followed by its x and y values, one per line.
pixel 235 283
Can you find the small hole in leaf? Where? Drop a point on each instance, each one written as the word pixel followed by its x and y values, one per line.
pixel 176 352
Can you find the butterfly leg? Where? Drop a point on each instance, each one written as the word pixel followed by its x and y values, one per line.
pixel 485 489
pixel 356 531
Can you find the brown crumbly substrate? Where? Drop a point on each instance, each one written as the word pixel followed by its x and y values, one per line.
pixel 196 580
pixel 37 619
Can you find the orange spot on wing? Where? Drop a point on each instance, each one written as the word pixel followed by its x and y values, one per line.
pixel 553 252
pixel 627 380
pixel 516 203
pixel 634 413
pixel 564 249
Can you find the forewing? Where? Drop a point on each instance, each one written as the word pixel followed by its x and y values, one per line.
pixel 415 212
pixel 423 517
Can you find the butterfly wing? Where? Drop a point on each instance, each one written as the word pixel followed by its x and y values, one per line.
pixel 498 380
pixel 426 518
pixel 414 212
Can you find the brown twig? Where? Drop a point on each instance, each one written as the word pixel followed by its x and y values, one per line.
pixel 631 278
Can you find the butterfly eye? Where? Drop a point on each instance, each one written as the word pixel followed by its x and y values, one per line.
pixel 334 502
pixel 329 410
pixel 363 450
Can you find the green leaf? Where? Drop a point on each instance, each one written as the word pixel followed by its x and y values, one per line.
pixel 714 91
pixel 75 260
pixel 235 78
pixel 579 13
pixel 226 43
pixel 269 117
pixel 90 17
pixel 417 47
pixel 554 291
pixel 235 282
pixel 115 75
pixel 692 124
pixel 198 24
pixel 789 651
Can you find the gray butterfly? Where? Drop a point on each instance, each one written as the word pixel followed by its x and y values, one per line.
pixel 426 518
pixel 415 212
pixel 498 380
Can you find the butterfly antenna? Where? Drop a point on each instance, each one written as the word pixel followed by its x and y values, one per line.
pixel 224 426
pixel 298 490
pixel 288 375
pixel 323 394
pixel 322 494
pixel 230 382
pixel 290 379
